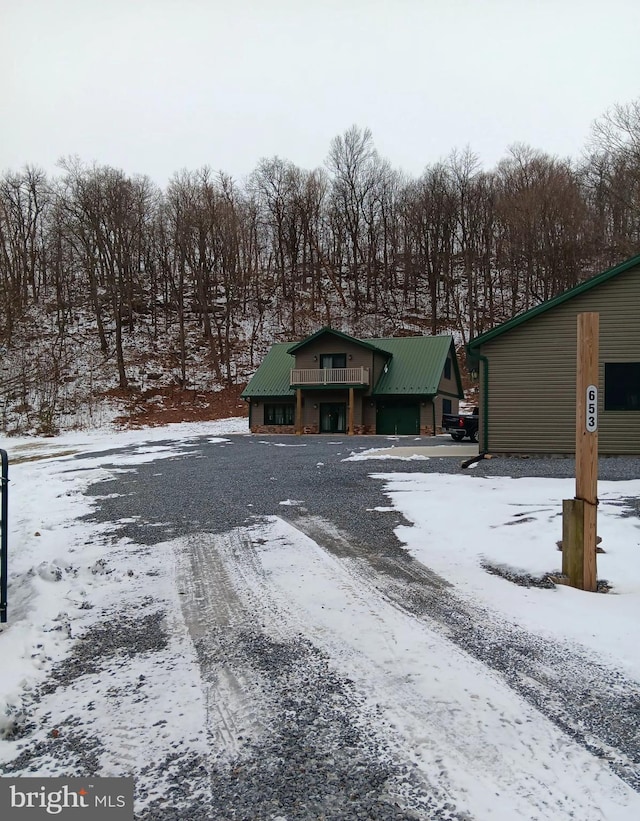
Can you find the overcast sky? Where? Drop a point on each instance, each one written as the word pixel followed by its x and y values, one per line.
pixel 153 86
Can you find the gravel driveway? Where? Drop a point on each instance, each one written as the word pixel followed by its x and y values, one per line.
pixel 214 488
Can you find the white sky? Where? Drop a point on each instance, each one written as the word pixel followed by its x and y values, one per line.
pixel 153 86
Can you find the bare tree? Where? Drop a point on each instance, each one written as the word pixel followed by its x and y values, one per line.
pixel 618 132
pixel 612 177
pixel 108 215
pixel 24 205
pixel 430 216
pixel 356 167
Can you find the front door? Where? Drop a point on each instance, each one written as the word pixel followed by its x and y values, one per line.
pixel 333 417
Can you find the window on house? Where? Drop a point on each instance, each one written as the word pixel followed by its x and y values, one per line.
pixel 446 404
pixel 622 386
pixel 279 414
pixel 447 369
pixel 333 360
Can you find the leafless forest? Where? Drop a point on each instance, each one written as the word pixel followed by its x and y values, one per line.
pixel 110 283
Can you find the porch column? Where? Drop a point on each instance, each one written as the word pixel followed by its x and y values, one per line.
pixel 350 411
pixel 298 411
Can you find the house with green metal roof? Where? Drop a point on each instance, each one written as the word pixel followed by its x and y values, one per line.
pixel 527 370
pixel 331 382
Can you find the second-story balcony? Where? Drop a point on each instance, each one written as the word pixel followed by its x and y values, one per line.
pixel 310 377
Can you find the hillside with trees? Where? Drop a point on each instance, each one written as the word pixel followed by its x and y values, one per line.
pixel 113 289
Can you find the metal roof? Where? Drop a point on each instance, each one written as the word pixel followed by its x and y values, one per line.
pixel 415 367
pixel 551 303
pixel 272 376
pixel 328 330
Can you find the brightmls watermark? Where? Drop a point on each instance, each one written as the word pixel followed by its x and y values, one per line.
pixel 95 799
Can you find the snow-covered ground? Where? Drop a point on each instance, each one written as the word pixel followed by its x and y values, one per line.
pixel 491 753
pixel 514 525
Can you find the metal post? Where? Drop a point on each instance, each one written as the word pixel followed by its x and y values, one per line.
pixel 4 526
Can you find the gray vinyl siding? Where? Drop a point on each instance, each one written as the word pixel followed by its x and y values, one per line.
pixel 377 367
pixel 257 411
pixel 309 357
pixel 449 388
pixel 532 373
pixel 369 414
pixel 426 415
pixel 438 405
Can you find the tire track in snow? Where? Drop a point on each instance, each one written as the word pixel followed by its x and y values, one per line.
pixel 265 683
pixel 462 724
pixel 214 614
pixel 594 705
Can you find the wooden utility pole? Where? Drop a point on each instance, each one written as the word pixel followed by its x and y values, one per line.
pixel 579 516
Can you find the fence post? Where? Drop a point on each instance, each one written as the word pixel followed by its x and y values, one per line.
pixel 4 526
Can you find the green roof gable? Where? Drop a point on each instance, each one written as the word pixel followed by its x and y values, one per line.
pixel 331 332
pixel 414 367
pixel 474 344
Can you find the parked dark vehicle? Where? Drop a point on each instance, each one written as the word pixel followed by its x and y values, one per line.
pixel 461 425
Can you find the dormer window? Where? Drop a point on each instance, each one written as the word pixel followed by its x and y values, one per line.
pixel 333 360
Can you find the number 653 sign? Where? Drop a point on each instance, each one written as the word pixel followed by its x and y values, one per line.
pixel 591 420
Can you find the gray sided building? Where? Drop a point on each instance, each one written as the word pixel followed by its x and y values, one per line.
pixel 527 370
pixel 334 383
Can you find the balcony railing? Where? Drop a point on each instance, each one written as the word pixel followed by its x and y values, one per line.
pixel 329 376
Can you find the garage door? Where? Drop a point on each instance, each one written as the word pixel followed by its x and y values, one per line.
pixel 398 418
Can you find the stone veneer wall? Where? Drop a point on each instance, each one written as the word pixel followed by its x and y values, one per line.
pixel 364 430
pixel 273 429
pixel 359 430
